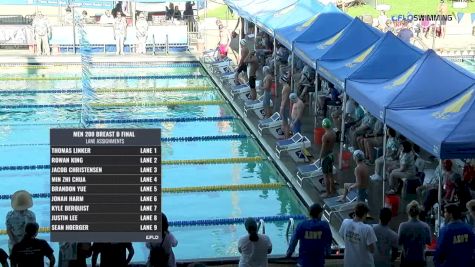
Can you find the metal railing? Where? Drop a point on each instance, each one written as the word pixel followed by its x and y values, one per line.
pixel 15 20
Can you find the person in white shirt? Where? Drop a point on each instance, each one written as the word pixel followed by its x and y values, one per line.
pixel 120 31
pixel 141 32
pixel 106 18
pixel 360 239
pixel 42 34
pixel 253 247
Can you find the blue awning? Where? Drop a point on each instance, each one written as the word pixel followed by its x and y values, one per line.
pixel 447 130
pixel 320 36
pixel 297 13
pixel 391 58
pixel 287 35
pixel 353 47
pixel 261 8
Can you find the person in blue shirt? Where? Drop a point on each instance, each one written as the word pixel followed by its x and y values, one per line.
pixel 315 239
pixel 456 243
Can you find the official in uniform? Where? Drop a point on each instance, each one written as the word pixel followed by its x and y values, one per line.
pixel 120 31
pixel 42 33
pixel 141 31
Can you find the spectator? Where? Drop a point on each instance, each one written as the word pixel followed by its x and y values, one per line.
pixel 106 18
pixel 370 140
pixel 443 14
pixel 120 31
pixel 392 148
pixel 72 254
pixel 170 11
pixel 19 217
pixel 414 235
pixel 386 250
pixel 306 82
pixel 161 252
pixel 68 17
pixel 431 189
pixel 42 33
pixel 297 113
pixel 3 258
pixel 471 213
pixel 315 239
pixel 469 173
pixel 266 86
pixel 253 247
pixel 112 254
pixel 30 252
pixel 359 238
pixel 188 13
pixel 407 168
pixel 361 176
pixel 285 105
pixel 141 32
pixel 327 158
pixel 456 242
pixel 363 127
pixel 405 33
pixel 382 19
pixel 177 13
pixel 84 17
pixel 332 98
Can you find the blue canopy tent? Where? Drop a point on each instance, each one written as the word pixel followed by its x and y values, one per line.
pixel 240 5
pixel 287 35
pixel 318 38
pixel 252 11
pixel 294 14
pixel 445 130
pixel 355 45
pixel 431 74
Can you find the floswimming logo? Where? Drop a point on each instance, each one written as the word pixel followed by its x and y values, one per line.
pixel 454 107
pixel 411 18
pixel 401 80
pixel 307 23
pixel 330 41
pixel 360 58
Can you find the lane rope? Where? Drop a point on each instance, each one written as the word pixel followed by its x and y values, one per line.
pixel 166 139
pixel 71 78
pixel 152 120
pixel 126 104
pixel 164 162
pixel 112 90
pixel 105 65
pixel 210 222
pixel 190 189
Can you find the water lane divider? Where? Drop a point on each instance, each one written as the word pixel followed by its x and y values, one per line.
pixel 104 65
pixel 191 189
pixel 183 119
pixel 211 222
pixel 70 78
pixel 164 162
pixel 126 104
pixel 166 139
pixel 111 90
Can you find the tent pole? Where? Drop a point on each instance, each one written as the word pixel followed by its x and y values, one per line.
pixel 342 132
pixel 385 140
pixel 317 87
pixel 255 36
pixel 439 198
pixel 275 69
pixel 239 41
pixel 292 89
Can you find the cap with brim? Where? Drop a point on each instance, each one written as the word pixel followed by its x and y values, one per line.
pixel 22 200
pixel 243 42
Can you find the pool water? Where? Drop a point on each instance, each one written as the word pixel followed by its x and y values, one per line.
pixel 24 141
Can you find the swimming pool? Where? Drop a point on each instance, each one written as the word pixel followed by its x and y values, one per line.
pixel 182 101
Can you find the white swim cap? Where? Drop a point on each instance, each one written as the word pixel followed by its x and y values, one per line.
pixel 358 155
pixel 293 97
